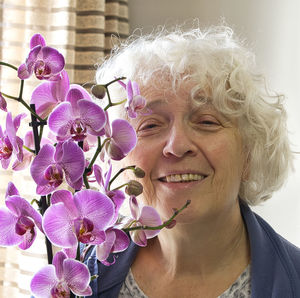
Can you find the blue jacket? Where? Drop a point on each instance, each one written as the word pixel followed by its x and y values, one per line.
pixel 275 264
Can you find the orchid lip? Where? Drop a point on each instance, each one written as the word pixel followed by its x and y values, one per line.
pixel 185 177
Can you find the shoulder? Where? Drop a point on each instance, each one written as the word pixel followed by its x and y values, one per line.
pixel 110 278
pixel 275 261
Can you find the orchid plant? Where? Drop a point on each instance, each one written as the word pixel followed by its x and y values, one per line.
pixel 87 213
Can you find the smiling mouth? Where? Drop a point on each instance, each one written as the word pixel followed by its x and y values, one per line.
pixel 180 178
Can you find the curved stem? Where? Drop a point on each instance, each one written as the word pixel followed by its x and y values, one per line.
pixel 111 104
pixel 8 65
pixel 125 184
pixel 165 224
pixel 115 80
pixel 28 149
pixel 86 182
pixel 118 173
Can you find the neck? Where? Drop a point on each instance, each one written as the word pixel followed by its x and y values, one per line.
pixel 204 248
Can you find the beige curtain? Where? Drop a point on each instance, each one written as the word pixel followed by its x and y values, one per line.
pixel 84 32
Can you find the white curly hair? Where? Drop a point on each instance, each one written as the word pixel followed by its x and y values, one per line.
pixel 220 65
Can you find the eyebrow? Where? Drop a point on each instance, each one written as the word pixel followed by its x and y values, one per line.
pixel 154 103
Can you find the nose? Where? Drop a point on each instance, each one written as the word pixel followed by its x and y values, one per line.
pixel 179 142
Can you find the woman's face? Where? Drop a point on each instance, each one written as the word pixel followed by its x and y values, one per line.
pixel 188 152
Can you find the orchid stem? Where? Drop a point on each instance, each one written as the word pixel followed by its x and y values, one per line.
pixel 86 182
pixel 8 65
pixel 125 184
pixel 165 224
pixel 118 173
pixel 28 149
pixel 115 80
pixel 99 148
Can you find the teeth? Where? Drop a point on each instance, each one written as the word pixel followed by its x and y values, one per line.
pixel 183 177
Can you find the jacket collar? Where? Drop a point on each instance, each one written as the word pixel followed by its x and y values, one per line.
pixel 272 270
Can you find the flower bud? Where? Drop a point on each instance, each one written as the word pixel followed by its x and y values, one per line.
pixel 3 104
pixel 138 172
pixel 171 225
pixel 98 91
pixel 134 188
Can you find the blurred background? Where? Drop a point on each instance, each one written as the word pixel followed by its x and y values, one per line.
pixel 82 31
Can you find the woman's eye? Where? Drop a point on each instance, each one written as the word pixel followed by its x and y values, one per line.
pixel 148 126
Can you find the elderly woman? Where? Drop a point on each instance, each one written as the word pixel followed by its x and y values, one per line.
pixel 214 136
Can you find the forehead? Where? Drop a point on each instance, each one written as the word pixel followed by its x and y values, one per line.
pixel 186 93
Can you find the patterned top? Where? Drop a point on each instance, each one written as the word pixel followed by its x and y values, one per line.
pixel 241 288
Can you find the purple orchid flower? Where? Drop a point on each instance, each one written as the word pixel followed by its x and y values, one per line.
pixel 77 116
pixel 9 142
pixel 45 62
pixel 18 220
pixel 53 163
pixel 116 241
pixel 63 276
pixel 3 104
pixel 145 216
pixel 49 94
pixel 135 101
pixel 83 217
pixel 122 138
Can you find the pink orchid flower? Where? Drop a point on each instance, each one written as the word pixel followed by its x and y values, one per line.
pixel 18 220
pixel 45 62
pixel 10 143
pixel 63 276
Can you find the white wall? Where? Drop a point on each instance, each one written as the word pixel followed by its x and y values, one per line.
pixel 272 29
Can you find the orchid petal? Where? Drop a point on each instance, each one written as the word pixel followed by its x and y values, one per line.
pixel 123 135
pixel 37 40
pixel 92 115
pixel 95 206
pixel 150 217
pixel 65 197
pixel 53 59
pixel 11 190
pixel 135 88
pixel 40 163
pixel 58 226
pixel 21 165
pixel 28 239
pixel 104 249
pixel 138 237
pixel 20 206
pixel 43 99
pixel 77 277
pixel 122 241
pixel 129 91
pixel 134 207
pixel 43 282
pixel 8 236
pixel 3 104
pixel 73 162
pixel 76 93
pixel 58 260
pixel 23 72
pixel 118 198
pixel 60 119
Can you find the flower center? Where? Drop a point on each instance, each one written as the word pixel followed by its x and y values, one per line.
pixel 5 148
pixel 54 175
pixel 23 225
pixel 61 290
pixel 78 130
pixel 41 69
pixel 84 228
